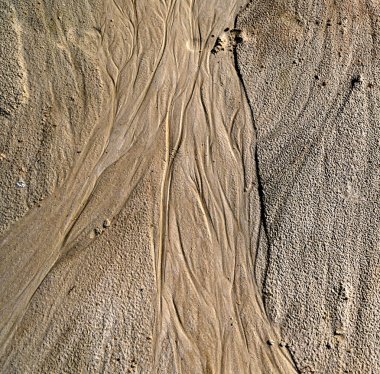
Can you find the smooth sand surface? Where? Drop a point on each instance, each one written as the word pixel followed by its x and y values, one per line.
pixel 189 186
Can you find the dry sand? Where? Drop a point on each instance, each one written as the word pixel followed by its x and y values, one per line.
pixel 189 186
pixel 311 73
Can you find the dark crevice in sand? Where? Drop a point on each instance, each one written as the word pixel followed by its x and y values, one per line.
pixel 260 190
pixel 259 182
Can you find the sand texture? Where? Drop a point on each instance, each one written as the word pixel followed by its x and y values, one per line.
pixel 189 186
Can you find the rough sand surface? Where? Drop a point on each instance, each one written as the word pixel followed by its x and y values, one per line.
pixel 311 72
pixel 188 187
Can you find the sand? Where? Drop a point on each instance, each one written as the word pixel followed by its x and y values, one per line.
pixel 310 71
pixel 188 187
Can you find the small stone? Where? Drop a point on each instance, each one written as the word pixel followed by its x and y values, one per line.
pixel 339 332
pixel 270 342
pixel 106 223
pixel 20 184
pixel 97 231
pixel 3 156
pixel 328 345
pixel 283 344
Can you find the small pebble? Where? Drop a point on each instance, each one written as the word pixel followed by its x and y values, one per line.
pixel 340 332
pixel 106 223
pixel 270 342
pixel 20 184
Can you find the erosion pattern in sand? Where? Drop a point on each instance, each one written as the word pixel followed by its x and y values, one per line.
pixel 184 191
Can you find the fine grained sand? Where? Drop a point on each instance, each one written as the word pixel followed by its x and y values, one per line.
pixel 188 187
